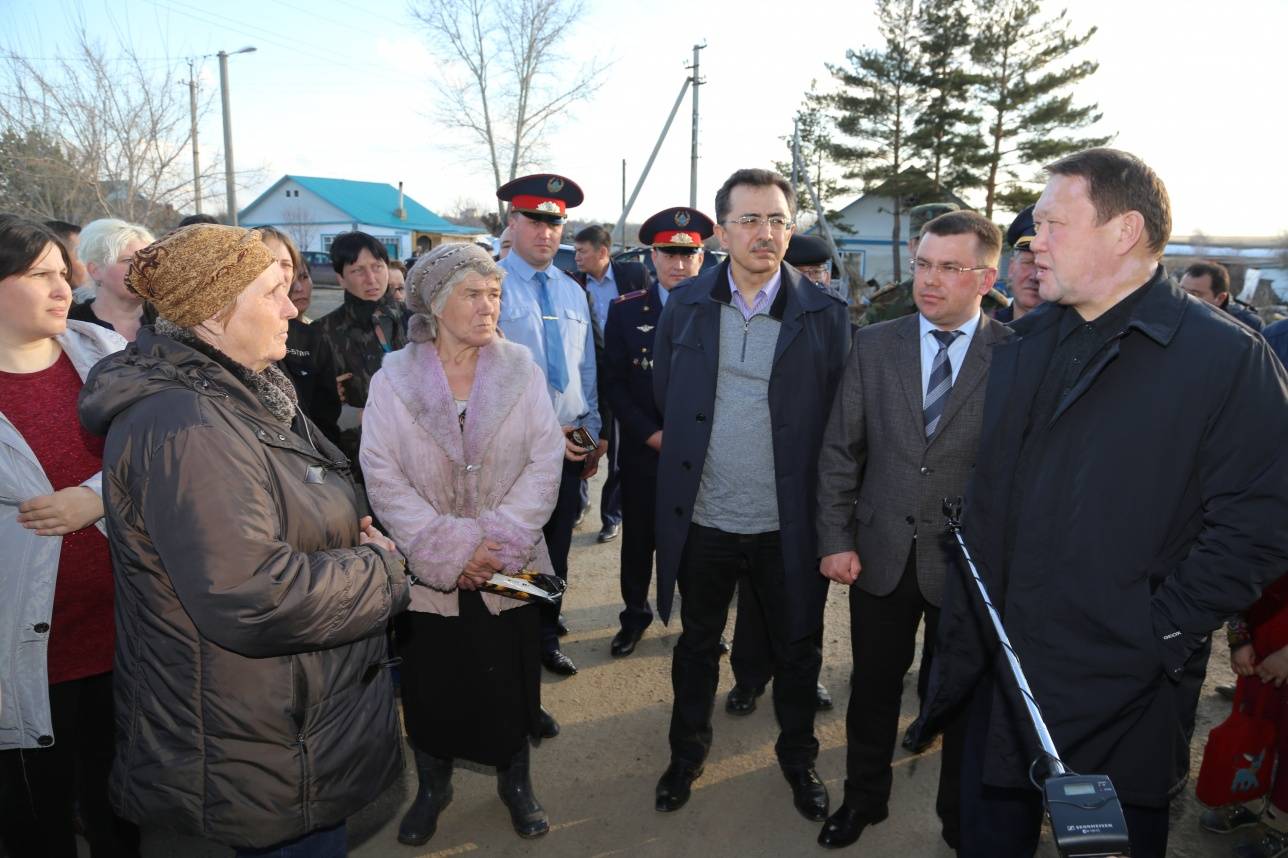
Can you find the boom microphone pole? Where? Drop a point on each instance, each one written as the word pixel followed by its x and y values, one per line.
pixel 1085 814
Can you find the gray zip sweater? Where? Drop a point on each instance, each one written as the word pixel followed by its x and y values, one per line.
pixel 738 493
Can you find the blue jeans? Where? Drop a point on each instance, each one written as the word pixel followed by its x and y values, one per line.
pixel 323 843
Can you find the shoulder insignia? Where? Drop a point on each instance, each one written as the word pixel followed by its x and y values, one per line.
pixel 630 296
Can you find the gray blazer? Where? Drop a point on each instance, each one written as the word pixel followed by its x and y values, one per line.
pixel 880 480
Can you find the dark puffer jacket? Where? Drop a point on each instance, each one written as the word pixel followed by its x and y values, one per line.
pixel 252 700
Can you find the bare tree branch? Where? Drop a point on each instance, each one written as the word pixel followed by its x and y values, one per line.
pixel 520 40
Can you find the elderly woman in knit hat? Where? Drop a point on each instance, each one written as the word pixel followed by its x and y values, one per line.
pixel 463 454
pixel 253 703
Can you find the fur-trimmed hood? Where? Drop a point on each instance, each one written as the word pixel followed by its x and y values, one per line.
pixel 417 376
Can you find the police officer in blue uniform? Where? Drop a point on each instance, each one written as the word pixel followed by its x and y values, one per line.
pixel 544 309
pixel 676 236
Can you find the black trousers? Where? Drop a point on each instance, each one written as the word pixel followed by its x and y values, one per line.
pixel 751 658
pixel 883 637
pixel 558 533
pixel 39 788
pixel 713 563
pixel 638 493
pixel 611 501
pixel 1006 823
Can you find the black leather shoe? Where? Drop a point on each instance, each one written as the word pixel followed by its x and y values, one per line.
pixel 914 740
pixel 809 793
pixel 844 827
pixel 624 642
pixel 724 646
pixel 561 626
pixel 608 534
pixel 822 699
pixel 432 795
pixel 547 726
pixel 742 700
pixel 514 786
pixel 556 662
pixel 673 787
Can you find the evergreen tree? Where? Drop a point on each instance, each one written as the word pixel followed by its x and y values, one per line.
pixel 1023 83
pixel 875 111
pixel 947 129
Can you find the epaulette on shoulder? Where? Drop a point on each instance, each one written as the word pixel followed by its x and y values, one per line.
pixel 630 296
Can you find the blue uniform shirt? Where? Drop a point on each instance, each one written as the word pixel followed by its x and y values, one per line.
pixel 578 404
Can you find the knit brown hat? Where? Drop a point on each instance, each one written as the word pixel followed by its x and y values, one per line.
pixel 194 272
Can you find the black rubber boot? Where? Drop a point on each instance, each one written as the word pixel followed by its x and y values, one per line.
pixel 514 785
pixel 435 793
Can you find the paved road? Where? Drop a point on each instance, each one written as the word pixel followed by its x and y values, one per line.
pixel 596 779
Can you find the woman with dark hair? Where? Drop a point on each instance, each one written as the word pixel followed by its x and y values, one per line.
pixel 463 454
pixel 56 627
pixel 255 702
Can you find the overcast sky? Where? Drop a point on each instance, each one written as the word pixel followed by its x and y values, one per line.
pixel 343 89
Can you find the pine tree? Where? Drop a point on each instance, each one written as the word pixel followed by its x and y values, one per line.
pixel 1024 87
pixel 876 109
pixel 947 129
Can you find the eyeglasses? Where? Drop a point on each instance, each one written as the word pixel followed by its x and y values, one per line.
pixel 777 223
pixel 922 266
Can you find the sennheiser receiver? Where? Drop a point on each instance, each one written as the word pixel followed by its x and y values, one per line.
pixel 1086 816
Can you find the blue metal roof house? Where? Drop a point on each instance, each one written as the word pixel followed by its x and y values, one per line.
pixel 313 211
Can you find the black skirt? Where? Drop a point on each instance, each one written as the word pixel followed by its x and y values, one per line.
pixel 471 684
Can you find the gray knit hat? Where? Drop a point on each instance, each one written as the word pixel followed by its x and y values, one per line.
pixel 432 278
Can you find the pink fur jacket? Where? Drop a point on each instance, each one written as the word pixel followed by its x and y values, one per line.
pixel 439 491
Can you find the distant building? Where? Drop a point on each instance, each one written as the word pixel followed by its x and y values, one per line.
pixel 863 230
pixel 313 211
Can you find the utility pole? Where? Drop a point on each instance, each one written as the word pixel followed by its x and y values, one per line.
pixel 196 158
pixel 622 233
pixel 675 108
pixel 229 183
pixel 693 155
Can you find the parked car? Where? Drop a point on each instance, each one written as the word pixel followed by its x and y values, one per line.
pixel 320 268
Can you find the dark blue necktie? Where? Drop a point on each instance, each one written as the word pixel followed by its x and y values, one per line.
pixel 941 381
pixel 556 362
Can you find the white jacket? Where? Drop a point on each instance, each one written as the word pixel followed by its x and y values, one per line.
pixel 30 564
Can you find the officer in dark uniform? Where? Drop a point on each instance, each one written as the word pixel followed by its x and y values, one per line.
pixel 812 256
pixel 676 236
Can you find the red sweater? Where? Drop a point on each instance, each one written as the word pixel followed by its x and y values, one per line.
pixel 42 407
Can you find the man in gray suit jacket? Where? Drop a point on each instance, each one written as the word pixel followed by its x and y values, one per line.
pixel 901 437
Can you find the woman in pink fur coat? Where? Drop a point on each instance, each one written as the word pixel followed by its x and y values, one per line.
pixel 462 454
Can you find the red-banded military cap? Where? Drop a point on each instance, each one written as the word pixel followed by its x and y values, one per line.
pixel 544 196
pixel 677 229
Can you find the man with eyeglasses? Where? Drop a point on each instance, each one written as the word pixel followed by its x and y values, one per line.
pixel 901 437
pixel 543 308
pixel 746 358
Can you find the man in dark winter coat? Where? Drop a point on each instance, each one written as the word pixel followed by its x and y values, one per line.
pixel 1130 493
pixel 746 360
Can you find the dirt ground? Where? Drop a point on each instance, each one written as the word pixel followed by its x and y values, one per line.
pixel 596 778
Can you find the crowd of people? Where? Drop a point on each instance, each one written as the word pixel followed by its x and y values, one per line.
pixel 235 532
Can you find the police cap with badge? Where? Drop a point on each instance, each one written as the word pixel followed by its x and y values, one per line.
pixel 677 230
pixel 1021 230
pixel 543 196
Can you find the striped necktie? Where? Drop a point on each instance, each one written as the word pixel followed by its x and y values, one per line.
pixel 941 381
pixel 556 362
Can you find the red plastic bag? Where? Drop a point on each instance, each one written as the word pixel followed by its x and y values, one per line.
pixel 1240 755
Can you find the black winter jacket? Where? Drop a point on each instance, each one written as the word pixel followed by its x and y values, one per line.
pixel 252 701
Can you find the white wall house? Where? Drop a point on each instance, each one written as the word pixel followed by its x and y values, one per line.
pixel 313 211
pixel 866 248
